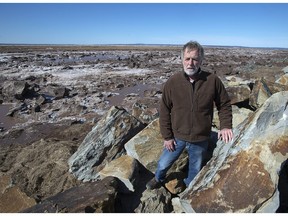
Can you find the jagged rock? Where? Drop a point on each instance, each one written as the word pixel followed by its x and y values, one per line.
pixel 16 89
pixel 285 69
pixel 12 194
pixel 41 100
pixel 177 207
pixel 104 143
pixel 174 182
pixel 239 115
pixel 262 90
pixel 155 201
pixel 242 176
pixel 41 169
pixel 147 147
pixel 19 107
pixel 144 113
pixel 126 169
pixel 238 93
pixel 236 81
pixel 283 80
pixel 92 197
pixel 55 91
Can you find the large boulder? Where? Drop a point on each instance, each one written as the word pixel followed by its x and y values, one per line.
pixel 104 143
pixel 9 194
pixel 126 169
pixel 16 89
pixel 91 197
pixel 156 201
pixel 238 93
pixel 54 91
pixel 283 80
pixel 262 90
pixel 239 115
pixel 147 147
pixel 41 170
pixel 242 176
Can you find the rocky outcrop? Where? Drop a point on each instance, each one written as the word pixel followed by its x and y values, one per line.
pixel 144 113
pixel 126 169
pixel 262 90
pixel 104 143
pixel 283 80
pixel 92 197
pixel 41 170
pixel 10 193
pixel 238 93
pixel 242 176
pixel 17 90
pixel 156 201
pixel 239 115
pixel 147 147
pixel 55 84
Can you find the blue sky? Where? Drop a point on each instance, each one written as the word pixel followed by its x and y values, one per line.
pixel 231 24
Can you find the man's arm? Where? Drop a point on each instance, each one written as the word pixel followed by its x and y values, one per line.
pixel 165 115
pixel 225 113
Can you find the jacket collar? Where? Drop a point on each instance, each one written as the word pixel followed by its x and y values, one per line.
pixel 200 75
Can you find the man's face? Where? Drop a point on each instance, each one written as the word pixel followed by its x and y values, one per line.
pixel 191 62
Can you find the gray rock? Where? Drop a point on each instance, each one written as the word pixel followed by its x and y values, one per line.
pixel 156 201
pixel 242 176
pixel 92 197
pixel 104 143
pixel 285 69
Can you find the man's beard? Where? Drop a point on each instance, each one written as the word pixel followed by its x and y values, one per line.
pixel 191 72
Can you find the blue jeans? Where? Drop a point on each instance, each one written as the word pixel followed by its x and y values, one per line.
pixel 196 152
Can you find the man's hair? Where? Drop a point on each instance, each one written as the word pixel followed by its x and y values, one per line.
pixel 193 45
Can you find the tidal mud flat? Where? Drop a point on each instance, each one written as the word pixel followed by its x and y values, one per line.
pixel 89 80
pixel 57 93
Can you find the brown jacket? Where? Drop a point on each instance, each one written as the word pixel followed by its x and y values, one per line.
pixel 186 109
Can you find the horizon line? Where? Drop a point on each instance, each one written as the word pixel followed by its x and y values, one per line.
pixel 131 44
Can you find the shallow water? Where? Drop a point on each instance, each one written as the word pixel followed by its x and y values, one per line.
pixel 121 94
pixel 6 122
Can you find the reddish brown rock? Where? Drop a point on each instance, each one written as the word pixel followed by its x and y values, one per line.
pixel 242 176
pixel 262 90
pixel 96 197
pixel 12 199
pixel 239 93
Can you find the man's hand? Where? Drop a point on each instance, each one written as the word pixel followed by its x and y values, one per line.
pixel 225 134
pixel 170 145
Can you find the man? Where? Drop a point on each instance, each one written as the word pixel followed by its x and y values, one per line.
pixel 186 113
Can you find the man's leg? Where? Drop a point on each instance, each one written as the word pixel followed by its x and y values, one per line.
pixel 165 162
pixel 196 152
pixel 167 159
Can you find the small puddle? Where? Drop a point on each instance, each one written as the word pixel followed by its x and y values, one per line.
pixel 6 122
pixel 138 89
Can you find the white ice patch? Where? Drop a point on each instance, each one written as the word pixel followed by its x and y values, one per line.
pixel 284 116
pixel 130 72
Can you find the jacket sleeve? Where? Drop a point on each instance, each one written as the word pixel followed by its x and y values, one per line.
pixel 165 114
pixel 222 102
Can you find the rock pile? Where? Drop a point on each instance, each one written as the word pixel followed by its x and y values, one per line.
pixel 242 176
pixel 79 153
